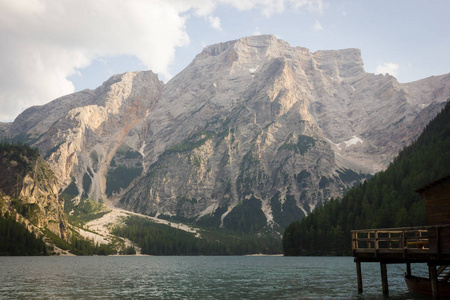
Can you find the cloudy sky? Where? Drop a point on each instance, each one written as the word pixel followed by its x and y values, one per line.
pixel 50 48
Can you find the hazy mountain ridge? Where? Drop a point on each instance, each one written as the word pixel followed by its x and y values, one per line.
pixel 248 119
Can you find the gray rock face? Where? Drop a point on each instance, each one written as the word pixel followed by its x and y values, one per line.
pixel 251 125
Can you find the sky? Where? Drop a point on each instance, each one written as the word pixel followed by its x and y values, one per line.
pixel 51 48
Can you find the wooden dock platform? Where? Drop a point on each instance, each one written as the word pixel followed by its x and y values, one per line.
pixel 427 244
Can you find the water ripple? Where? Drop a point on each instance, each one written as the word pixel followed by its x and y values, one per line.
pixel 152 277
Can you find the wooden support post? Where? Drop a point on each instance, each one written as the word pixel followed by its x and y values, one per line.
pixel 384 278
pixel 408 268
pixel 404 244
pixel 359 277
pixel 434 280
pixel 377 247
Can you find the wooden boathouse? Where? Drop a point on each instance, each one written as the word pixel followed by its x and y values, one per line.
pixel 407 245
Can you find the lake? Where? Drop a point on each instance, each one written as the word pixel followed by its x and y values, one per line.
pixel 194 277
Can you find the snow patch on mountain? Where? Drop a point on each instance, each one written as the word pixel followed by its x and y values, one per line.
pixel 345 144
pixel 353 141
pixel 253 70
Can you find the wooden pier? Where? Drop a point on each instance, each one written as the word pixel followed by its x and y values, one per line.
pixel 407 245
pixel 404 245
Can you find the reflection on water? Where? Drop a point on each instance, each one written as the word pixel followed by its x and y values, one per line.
pixel 199 277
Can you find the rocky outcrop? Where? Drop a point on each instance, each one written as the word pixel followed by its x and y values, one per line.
pixel 29 191
pixel 250 126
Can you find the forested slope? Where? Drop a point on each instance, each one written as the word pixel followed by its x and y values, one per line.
pixel 386 200
pixel 15 238
pixel 32 217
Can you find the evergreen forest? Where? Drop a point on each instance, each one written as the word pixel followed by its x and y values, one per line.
pixel 386 200
pixel 160 239
pixel 15 239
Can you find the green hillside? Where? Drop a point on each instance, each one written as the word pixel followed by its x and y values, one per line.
pixel 386 200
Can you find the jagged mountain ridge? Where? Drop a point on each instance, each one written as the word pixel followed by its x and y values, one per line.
pixel 248 121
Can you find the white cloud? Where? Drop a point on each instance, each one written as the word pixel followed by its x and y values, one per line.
pixel 214 22
pixel 43 42
pixel 387 68
pixel 317 26
pixel 270 7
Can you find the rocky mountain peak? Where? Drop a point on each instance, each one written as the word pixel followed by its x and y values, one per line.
pixel 241 45
pixel 257 49
pixel 252 122
pixel 344 63
pixel 245 53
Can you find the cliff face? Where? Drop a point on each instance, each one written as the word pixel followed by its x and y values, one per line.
pixel 236 125
pixel 250 125
pixel 29 190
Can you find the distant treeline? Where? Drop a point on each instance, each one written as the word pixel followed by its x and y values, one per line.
pixel 79 245
pixel 15 239
pixel 386 200
pixel 159 239
pixel 18 148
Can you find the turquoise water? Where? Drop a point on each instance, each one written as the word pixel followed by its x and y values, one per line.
pixel 194 277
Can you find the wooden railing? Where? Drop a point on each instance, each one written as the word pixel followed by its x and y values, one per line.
pixel 427 244
pixel 371 240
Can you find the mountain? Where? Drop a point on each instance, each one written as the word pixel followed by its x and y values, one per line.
pixel 80 133
pixel 29 195
pixel 252 133
pixel 4 128
pixel 385 201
